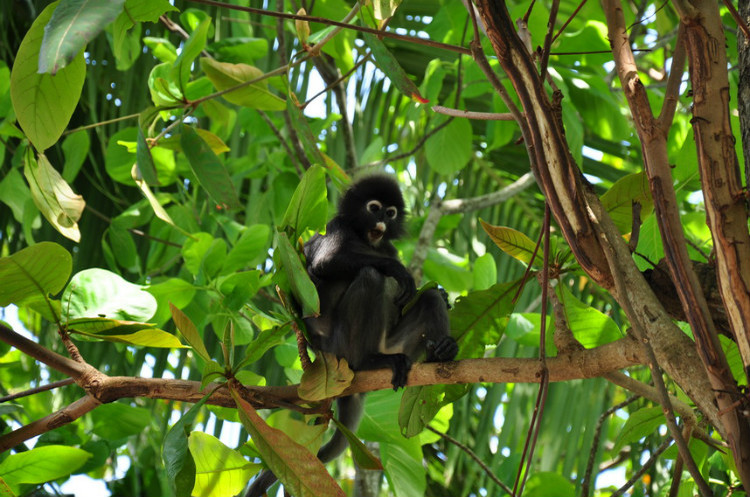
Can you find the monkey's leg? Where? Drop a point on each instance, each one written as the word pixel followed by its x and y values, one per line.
pixel 425 328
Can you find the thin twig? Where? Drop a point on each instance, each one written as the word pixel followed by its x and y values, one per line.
pixel 329 22
pixel 638 474
pixel 482 116
pixel 587 476
pixel 36 390
pixel 473 455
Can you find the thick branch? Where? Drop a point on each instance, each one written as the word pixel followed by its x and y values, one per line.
pixel 720 173
pixel 554 167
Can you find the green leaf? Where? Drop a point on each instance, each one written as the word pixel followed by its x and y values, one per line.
pixel 178 460
pixel 208 169
pixel 116 420
pixel 250 250
pixel 404 469
pixel 148 10
pixel 126 41
pixel 450 149
pixel 308 208
pixel 641 423
pixel 547 484
pixel 42 464
pixel 162 48
pixel 16 194
pixel 219 470
pixel 190 332
pixel 418 406
pixel 147 337
pixel 144 159
pixel 44 103
pixel 98 292
pixel 53 196
pixel 173 291
pixel 360 453
pixel 299 470
pixel 180 71
pixel 118 160
pixel 513 242
pixel 73 24
pixel 76 148
pixel 485 272
pixel 30 275
pixel 327 377
pixel 387 63
pixel 255 95
pixel 590 327
pixel 618 201
pixel 479 318
pixel 302 287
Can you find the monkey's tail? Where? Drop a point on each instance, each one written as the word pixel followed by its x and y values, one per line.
pixel 349 414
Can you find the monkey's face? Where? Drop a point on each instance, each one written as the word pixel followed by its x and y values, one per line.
pixel 380 220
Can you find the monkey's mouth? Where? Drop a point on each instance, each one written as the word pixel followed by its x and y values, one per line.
pixel 375 235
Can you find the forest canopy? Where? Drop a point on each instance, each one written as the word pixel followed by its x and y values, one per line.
pixel 575 182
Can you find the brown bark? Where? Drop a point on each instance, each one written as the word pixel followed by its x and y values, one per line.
pixel 552 163
pixel 559 179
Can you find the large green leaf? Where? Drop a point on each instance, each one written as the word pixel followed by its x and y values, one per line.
pixel 308 208
pixel 116 420
pixel 98 292
pixel 219 470
pixel 479 318
pixel 41 464
pixel 73 24
pixel 591 327
pixel 302 287
pixel 640 423
pixel 44 103
pixel 387 63
pixel 31 275
pixel 208 169
pixel 250 250
pixel 178 460
pixel 450 149
pixel 619 200
pixel 180 71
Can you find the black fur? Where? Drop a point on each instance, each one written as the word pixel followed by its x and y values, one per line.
pixel 363 287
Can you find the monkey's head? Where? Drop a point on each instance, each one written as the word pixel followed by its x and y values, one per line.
pixel 374 208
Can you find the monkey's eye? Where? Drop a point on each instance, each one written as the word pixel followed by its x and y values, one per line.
pixel 391 212
pixel 374 206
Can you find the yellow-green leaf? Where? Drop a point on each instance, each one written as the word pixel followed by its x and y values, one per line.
pixel 254 95
pixel 219 470
pixel 327 377
pixel 53 196
pixel 512 242
pixel 189 331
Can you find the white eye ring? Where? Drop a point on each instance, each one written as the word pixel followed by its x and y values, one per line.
pixel 374 206
pixel 391 212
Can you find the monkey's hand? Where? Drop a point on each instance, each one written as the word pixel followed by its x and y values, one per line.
pixel 441 350
pixel 400 364
pixel 406 285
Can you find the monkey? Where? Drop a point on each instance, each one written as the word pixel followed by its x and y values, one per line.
pixel 363 289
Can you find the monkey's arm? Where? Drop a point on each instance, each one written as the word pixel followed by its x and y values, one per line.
pixel 340 256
